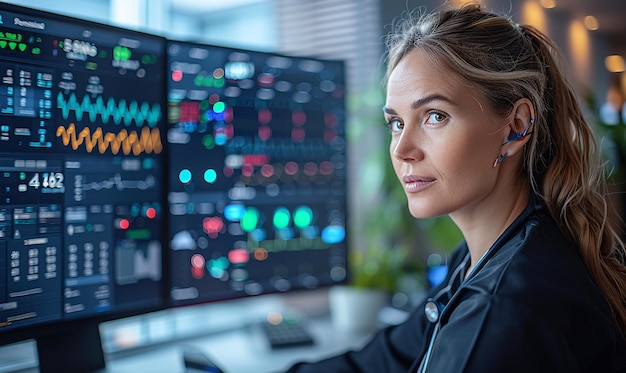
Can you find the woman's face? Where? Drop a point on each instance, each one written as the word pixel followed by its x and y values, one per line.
pixel 445 138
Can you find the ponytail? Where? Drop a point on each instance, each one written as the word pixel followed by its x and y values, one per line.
pixel 574 185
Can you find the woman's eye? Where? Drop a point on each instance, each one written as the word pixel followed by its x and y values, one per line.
pixel 395 125
pixel 435 117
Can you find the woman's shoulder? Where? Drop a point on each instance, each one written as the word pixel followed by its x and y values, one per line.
pixel 540 270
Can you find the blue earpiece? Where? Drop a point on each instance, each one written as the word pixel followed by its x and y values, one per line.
pixel 520 135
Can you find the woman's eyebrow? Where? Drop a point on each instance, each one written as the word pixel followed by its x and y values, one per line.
pixel 422 101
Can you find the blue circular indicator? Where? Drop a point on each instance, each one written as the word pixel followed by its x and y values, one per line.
pixel 258 234
pixel 310 232
pixel 210 176
pixel 285 234
pixel 184 176
pixel 333 234
pixel 234 212
pixel 220 139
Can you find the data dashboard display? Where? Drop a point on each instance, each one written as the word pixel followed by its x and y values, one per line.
pixel 257 181
pixel 81 168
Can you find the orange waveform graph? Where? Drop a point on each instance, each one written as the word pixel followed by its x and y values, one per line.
pixel 147 141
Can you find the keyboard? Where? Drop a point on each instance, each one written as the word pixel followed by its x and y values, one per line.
pixel 286 333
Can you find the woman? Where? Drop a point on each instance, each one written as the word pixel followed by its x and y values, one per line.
pixel 486 130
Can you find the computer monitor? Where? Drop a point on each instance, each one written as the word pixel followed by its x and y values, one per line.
pixel 82 213
pixel 258 172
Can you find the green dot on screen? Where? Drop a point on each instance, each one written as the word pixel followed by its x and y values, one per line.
pixel 250 219
pixel 208 141
pixel 219 107
pixel 210 175
pixel 303 217
pixel 281 218
pixel 184 176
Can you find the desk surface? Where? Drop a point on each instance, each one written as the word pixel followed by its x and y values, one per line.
pixel 244 350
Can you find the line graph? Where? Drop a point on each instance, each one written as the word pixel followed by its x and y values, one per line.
pixel 148 141
pixel 118 183
pixel 119 112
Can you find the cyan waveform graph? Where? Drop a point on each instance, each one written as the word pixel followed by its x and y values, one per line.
pixel 128 142
pixel 120 112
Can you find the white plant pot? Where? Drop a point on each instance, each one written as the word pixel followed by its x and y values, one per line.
pixel 355 309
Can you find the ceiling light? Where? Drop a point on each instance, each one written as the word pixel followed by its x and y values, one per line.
pixel 615 63
pixel 548 4
pixel 591 23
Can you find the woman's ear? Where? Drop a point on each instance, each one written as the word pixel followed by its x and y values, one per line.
pixel 520 127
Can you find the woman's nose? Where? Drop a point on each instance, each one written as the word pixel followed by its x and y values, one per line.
pixel 406 147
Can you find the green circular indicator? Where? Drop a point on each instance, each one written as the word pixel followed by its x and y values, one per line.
pixel 219 107
pixel 282 217
pixel 303 217
pixel 210 176
pixel 208 141
pixel 121 53
pixel 250 219
pixel 184 176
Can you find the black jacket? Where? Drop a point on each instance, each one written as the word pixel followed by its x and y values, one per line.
pixel 530 306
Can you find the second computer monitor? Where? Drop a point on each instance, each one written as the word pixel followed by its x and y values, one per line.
pixel 257 185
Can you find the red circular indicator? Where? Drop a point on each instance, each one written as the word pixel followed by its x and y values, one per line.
pixel 212 226
pixel 151 213
pixel 124 224
pixel 177 75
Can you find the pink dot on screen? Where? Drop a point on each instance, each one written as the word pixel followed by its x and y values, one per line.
pixel 265 133
pixel 151 213
pixel 330 120
pixel 124 224
pixel 197 261
pixel 265 116
pixel 267 170
pixel 197 273
pixel 310 169
pixel 177 75
pixel 329 135
pixel 298 118
pixel 228 114
pixel 238 256
pixel 326 168
pixel 212 226
pixel 298 134
pixel 247 170
pixel 291 168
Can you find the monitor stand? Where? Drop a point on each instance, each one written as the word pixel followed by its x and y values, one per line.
pixel 73 349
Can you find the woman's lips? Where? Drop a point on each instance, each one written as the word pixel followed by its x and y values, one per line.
pixel 413 183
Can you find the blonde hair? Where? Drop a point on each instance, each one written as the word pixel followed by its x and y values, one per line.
pixel 562 162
